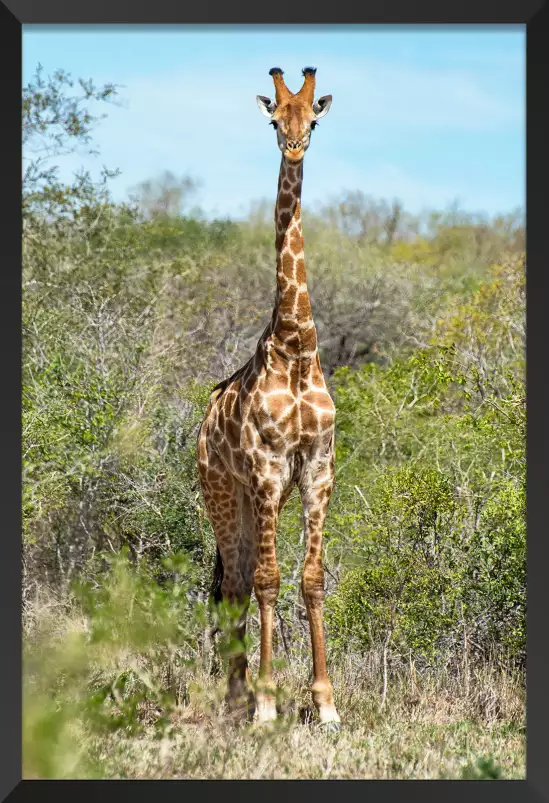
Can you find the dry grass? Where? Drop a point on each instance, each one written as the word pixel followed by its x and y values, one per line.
pixel 433 733
pixel 427 729
pixel 436 723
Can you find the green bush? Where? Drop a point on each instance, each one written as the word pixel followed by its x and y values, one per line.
pixel 132 656
pixel 408 578
pixel 496 592
pixel 133 311
pixel 430 507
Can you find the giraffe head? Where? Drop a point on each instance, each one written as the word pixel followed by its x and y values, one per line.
pixel 294 116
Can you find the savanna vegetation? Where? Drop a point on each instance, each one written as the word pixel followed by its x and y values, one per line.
pixel 132 311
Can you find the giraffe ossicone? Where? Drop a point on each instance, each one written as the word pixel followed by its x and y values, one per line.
pixel 270 427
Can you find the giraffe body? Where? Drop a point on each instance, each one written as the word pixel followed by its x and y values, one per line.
pixel 270 427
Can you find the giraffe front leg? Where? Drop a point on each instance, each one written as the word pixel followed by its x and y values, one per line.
pixel 316 497
pixel 267 586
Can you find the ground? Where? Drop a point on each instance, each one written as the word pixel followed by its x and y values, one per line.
pixel 432 734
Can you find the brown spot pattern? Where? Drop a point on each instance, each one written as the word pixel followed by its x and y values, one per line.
pixel 269 428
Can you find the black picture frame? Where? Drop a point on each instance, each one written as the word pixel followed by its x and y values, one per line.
pixel 532 13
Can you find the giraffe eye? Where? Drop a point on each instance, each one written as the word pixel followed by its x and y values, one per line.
pixel 274 124
pixel 313 125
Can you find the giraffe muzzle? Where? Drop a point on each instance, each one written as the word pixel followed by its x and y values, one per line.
pixel 294 150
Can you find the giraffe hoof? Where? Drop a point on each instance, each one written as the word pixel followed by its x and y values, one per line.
pixel 266 716
pixel 266 710
pixel 329 719
pixel 333 726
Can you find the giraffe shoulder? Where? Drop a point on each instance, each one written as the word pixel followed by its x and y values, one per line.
pixel 215 394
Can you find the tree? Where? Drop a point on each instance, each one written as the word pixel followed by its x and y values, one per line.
pixel 57 121
pixel 165 196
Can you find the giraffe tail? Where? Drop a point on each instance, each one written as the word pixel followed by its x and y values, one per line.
pixel 215 588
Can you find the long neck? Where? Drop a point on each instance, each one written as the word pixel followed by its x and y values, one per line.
pixel 293 323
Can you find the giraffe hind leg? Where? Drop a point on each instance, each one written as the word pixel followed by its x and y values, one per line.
pixel 247 563
pixel 224 500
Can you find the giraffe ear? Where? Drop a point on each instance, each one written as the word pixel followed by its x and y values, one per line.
pixel 322 106
pixel 266 105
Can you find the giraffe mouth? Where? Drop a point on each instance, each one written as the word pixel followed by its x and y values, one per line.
pixel 294 155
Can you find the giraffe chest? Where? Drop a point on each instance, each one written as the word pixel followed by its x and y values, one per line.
pixel 275 422
pixel 286 423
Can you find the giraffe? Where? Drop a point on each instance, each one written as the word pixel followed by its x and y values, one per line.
pixel 270 427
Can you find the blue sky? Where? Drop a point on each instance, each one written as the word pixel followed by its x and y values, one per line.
pixel 425 114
